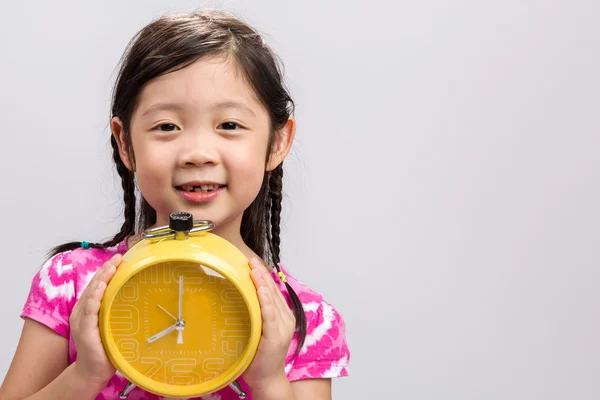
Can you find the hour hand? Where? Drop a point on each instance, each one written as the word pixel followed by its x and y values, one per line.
pixel 162 333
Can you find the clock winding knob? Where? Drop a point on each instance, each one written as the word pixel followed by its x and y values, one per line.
pixel 181 221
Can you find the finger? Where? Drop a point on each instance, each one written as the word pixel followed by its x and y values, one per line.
pixel 260 268
pixel 269 310
pixel 90 287
pixel 255 273
pixel 89 316
pixel 286 321
pixel 103 274
pixel 258 277
pixel 95 291
pixel 111 268
pixel 282 324
pixel 269 313
pixel 262 279
pixel 278 298
pixel 286 314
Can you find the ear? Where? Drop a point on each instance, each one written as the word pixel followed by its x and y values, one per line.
pixel 282 143
pixel 119 133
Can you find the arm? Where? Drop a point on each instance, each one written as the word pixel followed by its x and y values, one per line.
pixel 325 354
pixel 306 389
pixel 40 368
pixel 266 375
pixel 317 389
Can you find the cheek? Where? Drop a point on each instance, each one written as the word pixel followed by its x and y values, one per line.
pixel 153 170
pixel 247 169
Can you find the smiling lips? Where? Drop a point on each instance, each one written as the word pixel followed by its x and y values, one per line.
pixel 200 192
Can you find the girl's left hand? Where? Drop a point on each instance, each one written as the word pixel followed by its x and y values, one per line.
pixel 277 331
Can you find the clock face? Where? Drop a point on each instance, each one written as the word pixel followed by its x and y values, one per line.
pixel 180 323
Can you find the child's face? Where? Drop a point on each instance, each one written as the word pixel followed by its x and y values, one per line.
pixel 201 125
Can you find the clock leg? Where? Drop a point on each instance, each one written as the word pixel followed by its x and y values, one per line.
pixel 235 385
pixel 126 390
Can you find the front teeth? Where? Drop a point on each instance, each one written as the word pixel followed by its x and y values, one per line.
pixel 200 189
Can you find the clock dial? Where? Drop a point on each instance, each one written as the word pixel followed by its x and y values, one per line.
pixel 180 323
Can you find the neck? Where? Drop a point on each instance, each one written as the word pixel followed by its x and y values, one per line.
pixel 232 233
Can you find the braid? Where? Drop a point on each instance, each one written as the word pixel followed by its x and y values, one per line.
pixel 147 215
pixel 128 185
pixel 255 222
pixel 128 227
pixel 274 206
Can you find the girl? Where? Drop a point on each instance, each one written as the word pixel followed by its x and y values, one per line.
pixel 201 122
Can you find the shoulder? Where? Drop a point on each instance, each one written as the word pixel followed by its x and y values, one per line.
pixel 74 267
pixel 54 280
pixel 59 282
pixel 320 314
pixel 86 262
pixel 325 353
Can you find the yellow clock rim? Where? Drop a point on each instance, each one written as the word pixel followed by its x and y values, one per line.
pixel 164 389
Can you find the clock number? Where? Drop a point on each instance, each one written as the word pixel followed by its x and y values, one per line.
pixel 129 292
pixel 236 351
pixel 212 368
pixel 124 320
pixel 236 315
pixel 168 272
pixel 189 272
pixel 231 295
pixel 150 273
pixel 156 365
pixel 129 349
pixel 176 371
pixel 182 371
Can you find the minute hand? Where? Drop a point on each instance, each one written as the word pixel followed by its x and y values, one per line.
pixel 180 319
pixel 162 333
pixel 180 296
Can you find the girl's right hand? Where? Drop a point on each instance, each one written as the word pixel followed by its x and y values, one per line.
pixel 92 364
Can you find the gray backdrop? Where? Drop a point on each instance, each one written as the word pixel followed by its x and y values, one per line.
pixel 443 192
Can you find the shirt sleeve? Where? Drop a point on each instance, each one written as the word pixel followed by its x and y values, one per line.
pixel 52 294
pixel 325 353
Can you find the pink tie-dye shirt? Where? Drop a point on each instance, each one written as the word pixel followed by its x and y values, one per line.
pixel 60 282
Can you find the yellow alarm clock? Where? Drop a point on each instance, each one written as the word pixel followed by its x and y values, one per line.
pixel 181 318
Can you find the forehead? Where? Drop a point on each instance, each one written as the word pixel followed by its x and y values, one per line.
pixel 207 81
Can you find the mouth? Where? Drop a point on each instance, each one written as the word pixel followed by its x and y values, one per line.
pixel 205 188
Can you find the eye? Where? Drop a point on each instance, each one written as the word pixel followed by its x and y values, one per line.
pixel 230 126
pixel 166 127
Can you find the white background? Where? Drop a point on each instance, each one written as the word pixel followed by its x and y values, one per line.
pixel 443 192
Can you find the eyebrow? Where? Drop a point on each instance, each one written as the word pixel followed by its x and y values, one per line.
pixel 180 107
pixel 235 105
pixel 163 107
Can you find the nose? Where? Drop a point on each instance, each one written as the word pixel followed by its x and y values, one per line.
pixel 198 150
